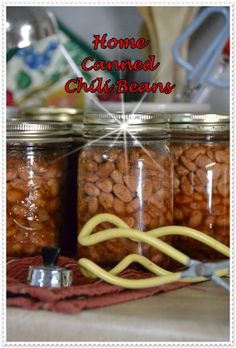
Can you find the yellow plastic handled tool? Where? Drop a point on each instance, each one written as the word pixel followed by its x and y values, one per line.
pixel 196 272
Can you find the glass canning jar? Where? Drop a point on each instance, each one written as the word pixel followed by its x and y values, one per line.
pixel 74 116
pixel 125 169
pixel 70 245
pixel 36 179
pixel 200 150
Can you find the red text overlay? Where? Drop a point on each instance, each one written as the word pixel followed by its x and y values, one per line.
pixel 100 85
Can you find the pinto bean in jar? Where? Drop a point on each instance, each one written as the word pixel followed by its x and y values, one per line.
pixel 36 173
pixel 74 116
pixel 201 179
pixel 132 182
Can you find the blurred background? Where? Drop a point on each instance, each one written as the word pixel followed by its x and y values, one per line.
pixel 191 44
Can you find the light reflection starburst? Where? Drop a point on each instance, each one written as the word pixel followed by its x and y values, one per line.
pixel 122 126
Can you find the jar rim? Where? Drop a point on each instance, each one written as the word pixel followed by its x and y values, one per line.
pixel 69 115
pixel 97 118
pixel 21 130
pixel 198 118
pixel 140 124
pixel 210 122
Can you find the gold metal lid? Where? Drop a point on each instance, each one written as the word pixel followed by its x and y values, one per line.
pixel 129 118
pixel 199 122
pixel 71 115
pixel 38 131
pixel 77 129
pixel 140 124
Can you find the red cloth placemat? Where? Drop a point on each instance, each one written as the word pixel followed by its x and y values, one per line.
pixel 83 294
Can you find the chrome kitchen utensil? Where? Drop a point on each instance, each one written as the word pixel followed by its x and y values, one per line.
pixel 207 270
pixel 201 72
pixel 49 275
pixel 28 24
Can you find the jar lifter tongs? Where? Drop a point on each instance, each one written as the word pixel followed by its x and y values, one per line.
pixel 197 271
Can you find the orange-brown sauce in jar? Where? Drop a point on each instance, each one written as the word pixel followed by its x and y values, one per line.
pixel 36 174
pixel 74 116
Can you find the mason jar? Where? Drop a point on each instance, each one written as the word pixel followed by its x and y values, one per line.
pixel 200 150
pixel 125 169
pixel 74 116
pixel 36 185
